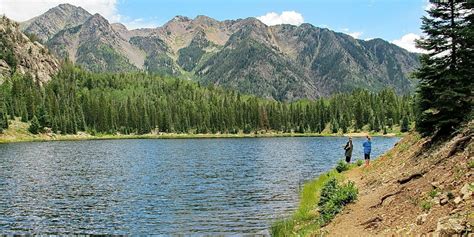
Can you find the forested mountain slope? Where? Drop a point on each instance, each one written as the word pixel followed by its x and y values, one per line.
pixel 282 62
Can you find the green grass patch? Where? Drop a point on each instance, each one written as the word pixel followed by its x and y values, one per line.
pixel 426 205
pixel 433 193
pixel 321 199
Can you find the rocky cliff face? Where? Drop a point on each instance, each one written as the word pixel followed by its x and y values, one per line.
pixel 20 54
pixel 282 62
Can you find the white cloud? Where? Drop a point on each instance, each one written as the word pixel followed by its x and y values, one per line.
pixel 139 23
pixel 356 34
pixel 22 10
pixel 408 42
pixel 286 17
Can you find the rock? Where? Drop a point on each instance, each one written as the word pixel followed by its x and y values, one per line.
pixel 443 199
pixel 449 226
pixel 421 219
pixel 457 200
pixel 466 191
pixel 436 200
pixel 454 211
pixel 435 184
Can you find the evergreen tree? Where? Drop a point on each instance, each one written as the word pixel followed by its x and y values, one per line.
pixel 444 91
pixel 34 126
pixel 404 125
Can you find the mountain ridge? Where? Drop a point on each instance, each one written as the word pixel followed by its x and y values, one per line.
pixel 294 62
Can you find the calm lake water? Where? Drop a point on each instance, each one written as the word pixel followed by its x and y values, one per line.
pixel 200 186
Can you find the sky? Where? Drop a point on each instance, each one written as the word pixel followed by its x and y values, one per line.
pixel 397 21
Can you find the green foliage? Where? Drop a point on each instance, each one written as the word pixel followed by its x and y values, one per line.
pixel 35 127
pixel 342 166
pixel 97 57
pixel 450 195
pixel 359 163
pixel 334 197
pixel 404 124
pixel 305 220
pixel 444 99
pixel 433 193
pixel 3 112
pixel 190 56
pixel 32 37
pixel 471 164
pixel 426 205
pixel 76 100
pixel 6 51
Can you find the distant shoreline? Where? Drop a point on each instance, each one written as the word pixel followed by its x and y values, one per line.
pixel 81 136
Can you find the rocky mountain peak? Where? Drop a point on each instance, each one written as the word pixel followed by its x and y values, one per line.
pixel 54 20
pixel 205 20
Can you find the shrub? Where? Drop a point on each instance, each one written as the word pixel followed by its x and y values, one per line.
pixel 359 163
pixel 471 164
pixel 334 197
pixel 433 193
pixel 342 166
pixel 426 205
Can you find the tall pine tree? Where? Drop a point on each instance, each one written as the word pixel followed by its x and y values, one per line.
pixel 444 92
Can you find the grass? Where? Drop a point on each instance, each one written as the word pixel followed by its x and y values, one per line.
pixel 314 211
pixel 433 193
pixel 426 205
pixel 305 219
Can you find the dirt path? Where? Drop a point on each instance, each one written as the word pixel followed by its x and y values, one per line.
pixel 405 192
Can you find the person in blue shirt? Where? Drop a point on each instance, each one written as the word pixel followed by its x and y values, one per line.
pixel 367 149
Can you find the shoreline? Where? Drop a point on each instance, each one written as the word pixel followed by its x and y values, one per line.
pixel 81 136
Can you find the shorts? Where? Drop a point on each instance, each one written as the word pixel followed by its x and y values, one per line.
pixel 367 156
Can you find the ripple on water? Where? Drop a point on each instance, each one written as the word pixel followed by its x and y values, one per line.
pixel 206 186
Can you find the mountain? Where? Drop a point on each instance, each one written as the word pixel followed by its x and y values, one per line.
pixel 54 20
pixel 97 46
pixel 20 54
pixel 282 62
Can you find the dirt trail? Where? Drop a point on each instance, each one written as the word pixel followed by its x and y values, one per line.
pixel 416 188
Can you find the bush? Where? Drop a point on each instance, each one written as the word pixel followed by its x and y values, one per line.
pixel 359 163
pixel 342 166
pixel 426 205
pixel 334 197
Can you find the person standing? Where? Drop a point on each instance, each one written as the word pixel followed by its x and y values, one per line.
pixel 367 149
pixel 348 148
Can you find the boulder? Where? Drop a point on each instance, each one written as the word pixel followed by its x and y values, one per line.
pixel 457 200
pixel 466 191
pixel 450 226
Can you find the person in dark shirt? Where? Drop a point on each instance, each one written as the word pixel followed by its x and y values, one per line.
pixel 367 149
pixel 348 148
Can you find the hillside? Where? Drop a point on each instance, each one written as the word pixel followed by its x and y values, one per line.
pixel 22 55
pixel 282 62
pixel 421 186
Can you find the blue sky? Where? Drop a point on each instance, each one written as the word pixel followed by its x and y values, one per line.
pixel 397 21
pixel 388 19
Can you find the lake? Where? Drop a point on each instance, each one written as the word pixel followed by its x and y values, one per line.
pixel 175 186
